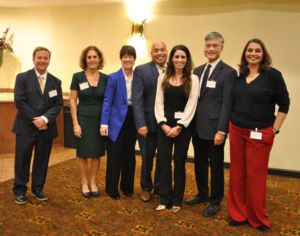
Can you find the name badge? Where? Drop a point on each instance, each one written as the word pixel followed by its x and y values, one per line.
pixel 256 135
pixel 84 86
pixel 178 115
pixel 211 84
pixel 53 93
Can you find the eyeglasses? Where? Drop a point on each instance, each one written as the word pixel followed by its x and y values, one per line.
pixel 215 45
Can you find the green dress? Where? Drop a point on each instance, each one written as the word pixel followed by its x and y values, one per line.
pixel 91 144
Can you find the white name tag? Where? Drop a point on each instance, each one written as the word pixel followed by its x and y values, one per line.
pixel 211 84
pixel 84 86
pixel 178 115
pixel 256 135
pixel 53 93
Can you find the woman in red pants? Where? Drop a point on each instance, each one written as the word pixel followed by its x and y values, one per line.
pixel 252 130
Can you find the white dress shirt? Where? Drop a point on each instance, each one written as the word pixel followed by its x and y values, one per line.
pixel 128 88
pixel 44 81
pixel 213 66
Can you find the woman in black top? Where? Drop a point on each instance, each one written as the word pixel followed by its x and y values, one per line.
pixel 175 106
pixel 252 130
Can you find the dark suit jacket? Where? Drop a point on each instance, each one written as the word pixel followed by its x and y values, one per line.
pixel 143 95
pixel 215 104
pixel 30 103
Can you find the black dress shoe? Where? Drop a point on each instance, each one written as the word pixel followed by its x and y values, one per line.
pixel 21 199
pixel 39 195
pixel 236 223
pixel 96 194
pixel 116 197
pixel 262 228
pixel 196 200
pixel 211 210
pixel 128 194
pixel 87 194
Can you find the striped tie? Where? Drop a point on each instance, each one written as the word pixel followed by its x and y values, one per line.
pixel 41 82
pixel 162 68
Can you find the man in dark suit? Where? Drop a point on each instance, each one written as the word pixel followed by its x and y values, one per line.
pixel 212 121
pixel 143 98
pixel 38 99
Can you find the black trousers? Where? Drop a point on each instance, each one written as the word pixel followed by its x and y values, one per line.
pixel 24 147
pixel 121 158
pixel 165 148
pixel 204 149
pixel 148 147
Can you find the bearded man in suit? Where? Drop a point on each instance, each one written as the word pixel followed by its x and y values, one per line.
pixel 212 122
pixel 38 99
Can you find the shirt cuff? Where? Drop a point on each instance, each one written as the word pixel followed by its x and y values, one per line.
pixel 45 119
pixel 222 132
pixel 104 126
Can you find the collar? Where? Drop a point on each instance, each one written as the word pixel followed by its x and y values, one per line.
pixel 213 64
pixel 38 74
pixel 126 78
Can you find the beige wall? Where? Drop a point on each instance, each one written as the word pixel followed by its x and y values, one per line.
pixel 67 30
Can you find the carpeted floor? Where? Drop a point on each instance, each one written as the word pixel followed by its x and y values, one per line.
pixel 68 213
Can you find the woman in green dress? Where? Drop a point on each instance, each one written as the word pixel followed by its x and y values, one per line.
pixel 88 86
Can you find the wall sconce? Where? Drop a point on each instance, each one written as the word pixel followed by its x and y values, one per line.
pixel 137 28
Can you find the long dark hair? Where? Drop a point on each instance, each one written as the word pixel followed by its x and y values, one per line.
pixel 265 63
pixel 187 71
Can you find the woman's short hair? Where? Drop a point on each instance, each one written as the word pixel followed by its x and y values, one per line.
pixel 82 59
pixel 41 49
pixel 265 63
pixel 187 70
pixel 127 49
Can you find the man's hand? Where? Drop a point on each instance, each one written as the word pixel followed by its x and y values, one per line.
pixel 143 131
pixel 104 131
pixel 166 129
pixel 38 121
pixel 43 127
pixel 219 138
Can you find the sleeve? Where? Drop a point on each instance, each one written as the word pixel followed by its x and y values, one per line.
pixel 281 94
pixel 227 102
pixel 159 102
pixel 56 107
pixel 21 99
pixel 107 102
pixel 74 83
pixel 138 99
pixel 191 105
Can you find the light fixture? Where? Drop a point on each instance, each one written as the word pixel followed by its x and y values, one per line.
pixel 137 28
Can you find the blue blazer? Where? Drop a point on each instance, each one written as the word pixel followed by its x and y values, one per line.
pixel 115 104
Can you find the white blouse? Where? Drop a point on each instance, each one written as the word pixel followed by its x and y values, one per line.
pixel 189 109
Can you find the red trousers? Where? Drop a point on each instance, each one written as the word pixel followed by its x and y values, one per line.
pixel 249 159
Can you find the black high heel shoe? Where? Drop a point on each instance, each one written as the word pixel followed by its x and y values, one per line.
pixel 96 194
pixel 87 195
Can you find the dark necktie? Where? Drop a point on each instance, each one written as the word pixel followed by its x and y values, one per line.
pixel 205 77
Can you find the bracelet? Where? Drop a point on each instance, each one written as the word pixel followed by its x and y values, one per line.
pixel 275 130
pixel 179 128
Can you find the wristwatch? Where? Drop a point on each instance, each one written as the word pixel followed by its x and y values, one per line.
pixel 179 128
pixel 276 131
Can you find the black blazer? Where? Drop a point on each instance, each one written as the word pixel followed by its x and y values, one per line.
pixel 30 103
pixel 215 104
pixel 144 85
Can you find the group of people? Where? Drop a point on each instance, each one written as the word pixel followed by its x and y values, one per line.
pixel 164 104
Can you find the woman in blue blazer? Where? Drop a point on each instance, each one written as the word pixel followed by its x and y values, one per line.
pixel 117 123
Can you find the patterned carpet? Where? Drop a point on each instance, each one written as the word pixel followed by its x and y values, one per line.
pixel 68 213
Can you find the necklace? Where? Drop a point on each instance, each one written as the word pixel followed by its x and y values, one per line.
pixel 251 76
pixel 93 75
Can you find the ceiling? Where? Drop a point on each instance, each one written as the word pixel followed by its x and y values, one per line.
pixel 44 3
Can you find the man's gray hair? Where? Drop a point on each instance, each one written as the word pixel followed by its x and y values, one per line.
pixel 215 35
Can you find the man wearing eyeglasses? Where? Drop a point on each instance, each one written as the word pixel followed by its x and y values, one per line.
pixel 211 123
